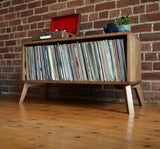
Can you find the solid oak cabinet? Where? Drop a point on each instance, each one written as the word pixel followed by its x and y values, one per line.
pixel 113 59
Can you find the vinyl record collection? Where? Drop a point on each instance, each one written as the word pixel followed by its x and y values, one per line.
pixel 101 60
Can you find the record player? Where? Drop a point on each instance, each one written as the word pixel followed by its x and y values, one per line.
pixel 61 27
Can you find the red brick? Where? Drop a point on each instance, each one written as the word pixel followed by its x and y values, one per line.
pixel 1 43
pixel 126 11
pixel 27 13
pixel 57 7
pixel 28 39
pixel 33 26
pixel 3 24
pixel 145 85
pixel 85 26
pixel 114 13
pixel 41 25
pixel 16 2
pixel 18 41
pixel 150 37
pixel 92 1
pixel 142 56
pixel 94 32
pixel 4 37
pixel 147 66
pixel 47 23
pixel 156 46
pixel 46 2
pixel 6 4
pixel 134 19
pixel 1 56
pixel 156 27
pixel 34 19
pixel 3 63
pixel 150 56
pixel 20 34
pixel 125 3
pixel 17 49
pixel 14 76
pixel 103 15
pixel 104 93
pixel 93 17
pixel 30 33
pixel 151 76
pixel 4 50
pixel 49 15
pixel 101 24
pixel 3 76
pixel 150 17
pixel 156 86
pixel 15 22
pixel 8 30
pixel 17 69
pixel 9 56
pixel 41 10
pixel 11 9
pixel 138 9
pixel 3 31
pixel 24 21
pixel 146 46
pixel 66 12
pixel 151 97
pixel 62 0
pixel 34 4
pixel 152 7
pixel 20 27
pixel 16 62
pixel 1 18
pixel 15 89
pixel 75 3
pixel 3 11
pixel 145 1
pixel 10 43
pixel 84 18
pixel 119 94
pixel 27 1
pixel 20 7
pixel 8 62
pixel 142 28
pixel 10 16
pixel 26 27
pixel 156 66
pixel 85 9
pixel 103 6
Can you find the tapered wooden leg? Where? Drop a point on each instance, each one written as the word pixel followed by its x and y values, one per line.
pixel 24 92
pixel 139 95
pixel 129 99
pixel 25 89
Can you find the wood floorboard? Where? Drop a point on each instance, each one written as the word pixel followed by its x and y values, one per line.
pixel 70 124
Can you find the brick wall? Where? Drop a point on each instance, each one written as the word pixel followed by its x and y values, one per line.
pixel 20 19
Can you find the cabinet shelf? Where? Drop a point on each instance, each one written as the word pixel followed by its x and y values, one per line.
pixel 132 49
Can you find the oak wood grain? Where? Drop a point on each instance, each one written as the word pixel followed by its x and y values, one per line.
pixel 64 124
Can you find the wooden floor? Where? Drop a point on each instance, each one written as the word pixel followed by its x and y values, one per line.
pixel 68 124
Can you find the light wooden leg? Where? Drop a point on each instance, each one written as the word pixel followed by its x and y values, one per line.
pixel 25 89
pixel 129 99
pixel 24 92
pixel 140 95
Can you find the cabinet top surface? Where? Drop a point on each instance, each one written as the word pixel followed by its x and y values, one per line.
pixel 97 36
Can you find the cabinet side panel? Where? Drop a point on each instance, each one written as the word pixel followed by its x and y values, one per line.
pixel 133 59
pixel 23 63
